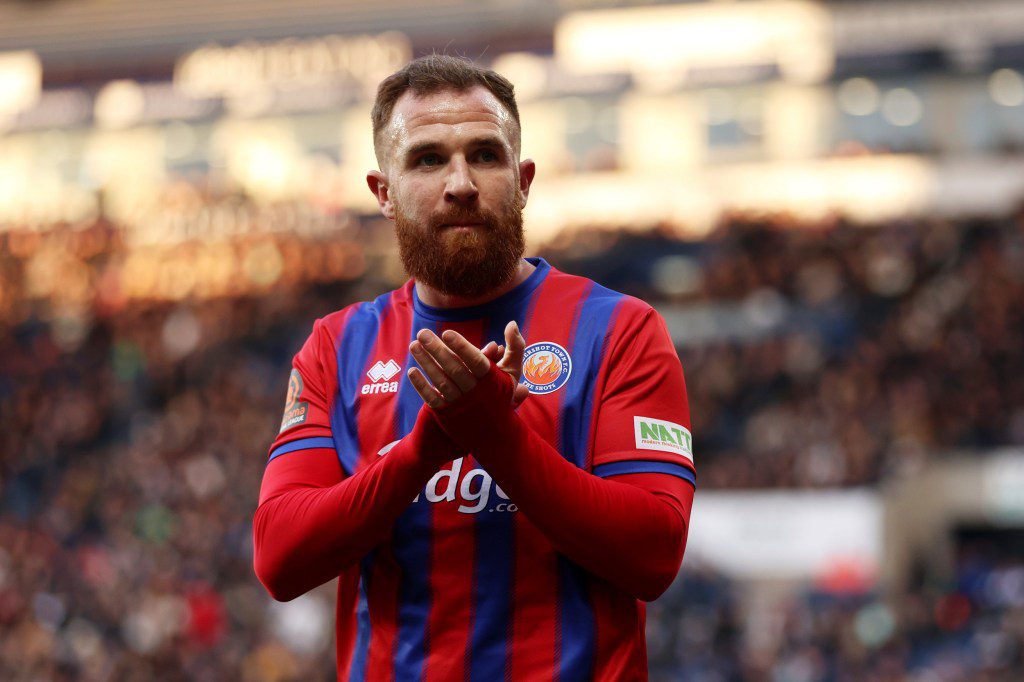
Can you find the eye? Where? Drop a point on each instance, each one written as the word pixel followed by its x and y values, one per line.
pixel 487 155
pixel 429 160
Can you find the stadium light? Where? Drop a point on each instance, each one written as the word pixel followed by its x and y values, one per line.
pixel 21 81
pixel 859 96
pixel 901 107
pixel 1006 87
pixel 119 104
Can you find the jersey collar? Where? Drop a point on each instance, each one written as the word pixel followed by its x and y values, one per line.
pixel 506 300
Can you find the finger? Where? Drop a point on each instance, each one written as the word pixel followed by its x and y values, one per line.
pixel 429 394
pixel 492 351
pixel 447 360
pixel 520 395
pixel 444 385
pixel 469 354
pixel 515 344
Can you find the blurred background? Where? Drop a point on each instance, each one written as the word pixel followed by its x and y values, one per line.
pixel 824 200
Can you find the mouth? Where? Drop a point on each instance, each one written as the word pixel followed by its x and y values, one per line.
pixel 461 226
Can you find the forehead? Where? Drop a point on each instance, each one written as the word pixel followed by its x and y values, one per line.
pixel 477 110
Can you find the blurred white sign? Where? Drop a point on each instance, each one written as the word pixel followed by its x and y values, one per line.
pixel 252 67
pixel 1003 483
pixel 794 35
pixel 790 535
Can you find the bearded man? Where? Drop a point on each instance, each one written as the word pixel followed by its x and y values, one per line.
pixel 493 460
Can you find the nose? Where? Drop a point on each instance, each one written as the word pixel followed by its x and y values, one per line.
pixel 460 188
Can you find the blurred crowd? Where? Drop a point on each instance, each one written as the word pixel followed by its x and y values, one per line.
pixel 130 473
pixel 864 349
pixel 707 628
pixel 134 428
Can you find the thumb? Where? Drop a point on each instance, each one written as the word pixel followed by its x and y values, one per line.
pixel 515 345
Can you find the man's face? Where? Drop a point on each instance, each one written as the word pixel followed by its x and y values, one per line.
pixel 453 183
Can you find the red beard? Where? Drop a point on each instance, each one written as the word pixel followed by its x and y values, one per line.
pixel 464 264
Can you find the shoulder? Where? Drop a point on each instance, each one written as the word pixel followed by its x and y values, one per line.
pixel 332 328
pixel 625 311
pixel 592 291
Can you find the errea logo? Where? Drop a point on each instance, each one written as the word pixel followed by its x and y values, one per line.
pixel 384 370
pixel 380 374
pixel 658 434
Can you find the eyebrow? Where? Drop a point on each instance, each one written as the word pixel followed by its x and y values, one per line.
pixel 478 141
pixel 420 148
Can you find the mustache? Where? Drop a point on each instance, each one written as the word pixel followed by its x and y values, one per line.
pixel 462 218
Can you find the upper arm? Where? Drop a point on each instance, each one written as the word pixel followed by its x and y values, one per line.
pixel 303 453
pixel 643 420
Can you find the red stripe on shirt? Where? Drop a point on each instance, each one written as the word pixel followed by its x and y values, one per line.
pixel 620 620
pixel 382 595
pixel 324 382
pixel 335 325
pixel 345 613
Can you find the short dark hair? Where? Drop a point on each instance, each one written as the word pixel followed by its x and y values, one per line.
pixel 433 73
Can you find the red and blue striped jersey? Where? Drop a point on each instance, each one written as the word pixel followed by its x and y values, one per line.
pixel 465 586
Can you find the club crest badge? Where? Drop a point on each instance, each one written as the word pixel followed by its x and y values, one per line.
pixel 546 367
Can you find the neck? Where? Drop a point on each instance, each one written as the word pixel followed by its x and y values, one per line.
pixel 436 299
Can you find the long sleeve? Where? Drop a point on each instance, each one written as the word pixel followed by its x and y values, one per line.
pixel 310 526
pixel 618 531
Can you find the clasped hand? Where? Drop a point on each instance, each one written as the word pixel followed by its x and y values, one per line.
pixel 452 366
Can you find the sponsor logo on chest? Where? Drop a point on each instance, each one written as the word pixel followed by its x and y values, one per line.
pixel 471 488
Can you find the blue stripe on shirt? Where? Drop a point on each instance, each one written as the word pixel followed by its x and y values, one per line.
pixel 639 466
pixel 587 353
pixel 302 444
pixel 358 340
pixel 361 650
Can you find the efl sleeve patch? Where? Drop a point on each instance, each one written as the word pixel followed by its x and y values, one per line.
pixel 658 434
pixel 295 412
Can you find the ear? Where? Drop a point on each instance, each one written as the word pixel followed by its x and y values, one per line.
pixel 527 169
pixel 378 183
